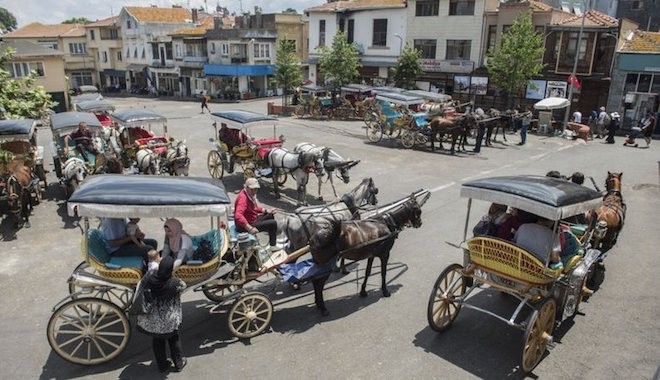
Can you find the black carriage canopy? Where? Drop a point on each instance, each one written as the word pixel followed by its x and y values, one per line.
pixel 94 105
pixel 244 117
pixel 17 127
pixel 86 97
pixel 66 120
pixel 137 115
pixel 548 197
pixel 116 195
pixel 399 98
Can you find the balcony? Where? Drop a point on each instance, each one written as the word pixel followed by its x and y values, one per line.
pixel 194 61
pixel 239 59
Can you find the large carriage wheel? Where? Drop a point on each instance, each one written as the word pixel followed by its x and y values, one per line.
pixel 215 165
pixel 442 309
pixel 374 132
pixel 119 297
pixel 408 139
pixel 88 331
pixel 219 293
pixel 250 315
pixel 540 325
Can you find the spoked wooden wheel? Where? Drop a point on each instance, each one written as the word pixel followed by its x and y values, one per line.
pixel 374 132
pixel 442 309
pixel 218 293
pixel 250 315
pixel 408 139
pixel 540 325
pixel 395 132
pixel 117 296
pixel 215 165
pixel 88 337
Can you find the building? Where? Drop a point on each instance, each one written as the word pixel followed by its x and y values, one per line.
pixel 104 43
pixel 70 39
pixel 190 55
pixel 644 13
pixel 292 27
pixel 46 63
pixel 377 27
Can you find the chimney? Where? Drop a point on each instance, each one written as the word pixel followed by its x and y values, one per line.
pixel 194 16
pixel 217 23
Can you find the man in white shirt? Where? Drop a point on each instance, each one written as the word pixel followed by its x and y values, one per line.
pixel 600 124
pixel 577 117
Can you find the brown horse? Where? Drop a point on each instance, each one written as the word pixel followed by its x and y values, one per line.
pixel 19 199
pixel 612 213
pixel 456 127
pixel 359 240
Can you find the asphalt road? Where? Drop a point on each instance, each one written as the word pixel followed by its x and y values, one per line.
pixel 616 335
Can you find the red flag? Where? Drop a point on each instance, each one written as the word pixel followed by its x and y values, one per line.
pixel 572 79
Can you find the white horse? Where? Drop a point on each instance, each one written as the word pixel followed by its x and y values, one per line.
pixel 148 162
pixel 282 161
pixel 176 160
pixel 331 161
pixel 73 172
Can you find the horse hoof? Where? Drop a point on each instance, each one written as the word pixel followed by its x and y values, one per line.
pixel 363 293
pixel 320 198
pixel 325 312
pixel 27 225
pixel 386 293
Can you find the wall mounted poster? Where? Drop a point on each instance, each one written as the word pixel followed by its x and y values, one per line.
pixel 555 89
pixel 479 85
pixel 462 84
pixel 535 89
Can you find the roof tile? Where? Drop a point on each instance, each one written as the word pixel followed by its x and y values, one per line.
pixel 592 18
pixel 104 22
pixel 642 42
pixel 165 15
pixel 36 29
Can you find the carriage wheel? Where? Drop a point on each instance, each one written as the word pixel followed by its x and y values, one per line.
pixel 408 139
pixel 88 337
pixel 280 176
pixel 299 111
pixel 395 132
pixel 219 293
pixel 374 132
pixel 119 297
pixel 215 165
pixel 420 138
pixel 250 315
pixel 442 309
pixel 540 325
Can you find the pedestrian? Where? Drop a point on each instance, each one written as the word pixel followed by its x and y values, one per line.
pixel 164 315
pixel 577 117
pixel 526 121
pixel 612 127
pixel 205 100
pixel 517 124
pixel 593 118
pixel 603 120
pixel 648 128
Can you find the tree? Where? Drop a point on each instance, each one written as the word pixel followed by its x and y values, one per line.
pixel 288 72
pixel 408 68
pixel 518 58
pixel 7 20
pixel 77 20
pixel 290 10
pixel 340 64
pixel 19 97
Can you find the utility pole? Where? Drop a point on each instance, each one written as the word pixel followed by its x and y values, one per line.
pixel 575 63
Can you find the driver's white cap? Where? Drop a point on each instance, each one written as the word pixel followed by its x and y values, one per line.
pixel 252 183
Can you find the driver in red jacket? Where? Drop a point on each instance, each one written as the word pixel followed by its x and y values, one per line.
pixel 250 217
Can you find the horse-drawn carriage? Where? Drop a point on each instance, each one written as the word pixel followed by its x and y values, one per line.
pixel 100 108
pixel 548 294
pixel 90 325
pixel 315 101
pixel 143 149
pixel 21 167
pixel 355 101
pixel 392 115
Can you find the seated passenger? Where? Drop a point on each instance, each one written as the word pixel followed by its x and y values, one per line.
pixel 506 230
pixel 83 138
pixel 119 243
pixel 570 244
pixel 178 243
pixel 539 240
pixel 489 223
pixel 231 137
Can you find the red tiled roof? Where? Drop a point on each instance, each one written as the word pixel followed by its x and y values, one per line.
pixel 355 5
pixel 36 30
pixel 642 42
pixel 110 21
pixel 153 14
pixel 205 23
pixel 593 18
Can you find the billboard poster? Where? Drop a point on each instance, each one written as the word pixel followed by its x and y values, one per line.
pixel 462 84
pixel 535 89
pixel 479 85
pixel 555 89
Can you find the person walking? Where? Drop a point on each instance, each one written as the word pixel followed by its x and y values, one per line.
pixel 612 127
pixel 577 117
pixel 593 118
pixel 603 121
pixel 164 315
pixel 526 121
pixel 648 128
pixel 205 100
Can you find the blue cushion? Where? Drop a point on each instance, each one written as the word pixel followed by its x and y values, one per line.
pixel 194 262
pixel 214 237
pixel 233 233
pixel 126 262
pixel 96 246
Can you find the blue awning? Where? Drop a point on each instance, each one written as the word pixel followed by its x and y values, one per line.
pixel 238 70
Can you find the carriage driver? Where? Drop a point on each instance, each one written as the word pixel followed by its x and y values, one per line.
pixel 252 218
pixel 84 141
pixel 233 138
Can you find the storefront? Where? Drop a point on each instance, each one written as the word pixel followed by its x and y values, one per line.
pixel 248 80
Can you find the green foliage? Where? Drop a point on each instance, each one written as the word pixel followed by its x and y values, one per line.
pixel 19 97
pixel 518 58
pixel 77 20
pixel 408 68
pixel 288 72
pixel 340 64
pixel 7 20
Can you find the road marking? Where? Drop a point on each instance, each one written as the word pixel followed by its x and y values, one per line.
pixel 442 187
pixel 564 148
pixel 538 156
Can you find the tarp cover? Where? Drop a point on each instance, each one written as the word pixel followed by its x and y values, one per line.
pixel 239 119
pixel 548 197
pixel 115 195
pixel 434 96
pixel 17 127
pixel 136 115
pixel 70 120
pixel 356 88
pixel 399 98
pixel 95 105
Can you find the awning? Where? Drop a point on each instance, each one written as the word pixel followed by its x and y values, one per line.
pixel 164 70
pixel 238 70
pixel 135 67
pixel 114 73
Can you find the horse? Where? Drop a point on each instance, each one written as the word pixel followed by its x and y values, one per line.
pixel 176 161
pixel 612 213
pixel 19 198
pixel 359 240
pixel 497 125
pixel 148 162
pixel 295 226
pixel 73 172
pixel 457 127
pixel 283 161
pixel 331 161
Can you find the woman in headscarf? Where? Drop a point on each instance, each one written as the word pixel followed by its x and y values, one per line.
pixel 178 243
pixel 164 317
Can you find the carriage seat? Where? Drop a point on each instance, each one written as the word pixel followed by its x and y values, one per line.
pixel 421 118
pixel 194 271
pixel 96 249
pixel 233 233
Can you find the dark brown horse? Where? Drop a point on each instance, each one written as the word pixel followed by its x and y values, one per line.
pixel 456 127
pixel 359 240
pixel 612 213
pixel 19 198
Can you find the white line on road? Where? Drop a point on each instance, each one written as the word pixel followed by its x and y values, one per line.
pixel 538 156
pixel 564 148
pixel 442 187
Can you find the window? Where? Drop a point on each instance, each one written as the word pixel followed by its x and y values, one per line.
pixel 48 44
pixel 135 53
pixel 342 25
pixel 427 8
pixel 427 47
pixel 144 53
pixel 154 51
pixel 104 56
pixel 23 69
pixel 292 44
pixel 572 46
pixel 128 24
pixel 380 32
pixel 458 49
pixel 168 51
pixel 461 7
pixel 212 47
pixel 492 38
pixel 81 78
pixel 119 56
pixel 350 35
pixel 128 52
pixel 225 49
pixel 321 32
pixel 262 51
pixel 177 51
pixel 637 5
pixel 642 83
pixel 91 35
pixel 79 48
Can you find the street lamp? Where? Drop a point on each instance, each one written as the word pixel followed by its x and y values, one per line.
pixel 397 35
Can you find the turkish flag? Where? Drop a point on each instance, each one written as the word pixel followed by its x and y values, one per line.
pixel 572 79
